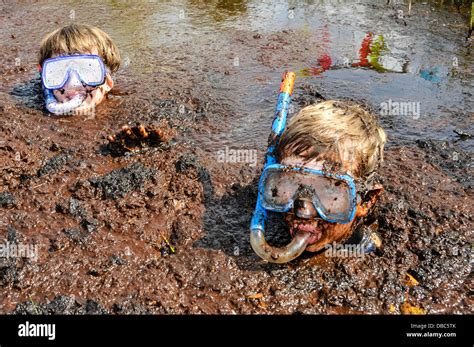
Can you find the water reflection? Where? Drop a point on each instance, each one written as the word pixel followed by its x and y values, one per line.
pixel 373 54
pixel 221 10
pixel 234 52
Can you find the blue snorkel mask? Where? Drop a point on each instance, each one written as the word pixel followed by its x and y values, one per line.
pixel 333 196
pixel 82 69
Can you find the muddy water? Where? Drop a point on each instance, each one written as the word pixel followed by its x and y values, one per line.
pixel 166 230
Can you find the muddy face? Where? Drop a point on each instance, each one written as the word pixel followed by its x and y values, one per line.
pixel 92 96
pixel 75 88
pixel 308 229
pixel 322 232
pixel 305 219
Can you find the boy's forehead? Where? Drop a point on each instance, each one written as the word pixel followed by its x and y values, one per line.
pixel 319 164
pixel 295 160
pixel 93 50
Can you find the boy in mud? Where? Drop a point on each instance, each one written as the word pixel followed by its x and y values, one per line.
pixel 76 63
pixel 323 182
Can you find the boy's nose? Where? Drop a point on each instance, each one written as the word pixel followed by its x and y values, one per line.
pixel 304 208
pixel 73 81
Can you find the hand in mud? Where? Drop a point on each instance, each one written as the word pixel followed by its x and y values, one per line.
pixel 139 137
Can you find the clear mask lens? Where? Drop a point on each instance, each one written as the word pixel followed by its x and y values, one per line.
pixel 89 68
pixel 331 196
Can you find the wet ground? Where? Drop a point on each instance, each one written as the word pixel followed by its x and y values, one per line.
pixel 164 228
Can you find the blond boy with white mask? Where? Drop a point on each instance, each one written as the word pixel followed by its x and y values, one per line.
pixel 76 64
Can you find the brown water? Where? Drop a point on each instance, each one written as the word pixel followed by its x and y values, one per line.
pixel 212 71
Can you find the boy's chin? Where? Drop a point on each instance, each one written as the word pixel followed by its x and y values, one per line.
pixel 83 110
pixel 86 107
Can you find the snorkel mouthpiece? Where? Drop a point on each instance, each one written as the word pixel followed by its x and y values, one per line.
pixel 278 255
pixel 61 108
pixel 257 226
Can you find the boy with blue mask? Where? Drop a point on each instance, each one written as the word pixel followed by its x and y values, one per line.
pixel 319 174
pixel 76 63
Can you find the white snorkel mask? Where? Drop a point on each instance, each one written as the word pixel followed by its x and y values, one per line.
pixel 78 70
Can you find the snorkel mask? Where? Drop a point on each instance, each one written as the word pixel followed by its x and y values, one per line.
pixel 333 196
pixel 84 69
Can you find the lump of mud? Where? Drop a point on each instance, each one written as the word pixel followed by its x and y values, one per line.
pixel 186 162
pixel 93 307
pixel 59 305
pixel 75 235
pixel 8 271
pixel 119 182
pixel 130 307
pixel 307 95
pixel 9 267
pixel 13 236
pixel 90 224
pixel 54 164
pixel 62 305
pixel 117 260
pixel 73 207
pixel 189 161
pixel 7 200
pixel 77 210
pixel 449 157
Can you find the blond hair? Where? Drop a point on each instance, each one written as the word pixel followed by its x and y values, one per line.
pixel 80 38
pixel 339 131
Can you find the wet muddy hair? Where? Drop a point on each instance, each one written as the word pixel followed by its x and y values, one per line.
pixel 77 39
pixel 342 132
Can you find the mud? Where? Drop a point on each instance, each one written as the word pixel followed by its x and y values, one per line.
pixel 164 229
pixel 60 305
pixel 53 165
pixel 7 200
pixel 118 183
pixel 138 138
